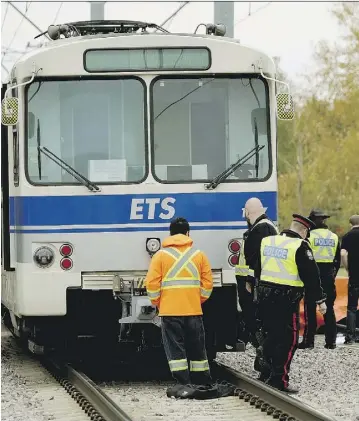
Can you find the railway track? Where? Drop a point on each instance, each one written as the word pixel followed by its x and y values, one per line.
pixel 128 400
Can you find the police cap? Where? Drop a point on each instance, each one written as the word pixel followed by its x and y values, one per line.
pixel 304 221
pixel 318 213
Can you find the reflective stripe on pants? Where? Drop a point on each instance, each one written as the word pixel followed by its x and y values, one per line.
pixel 183 337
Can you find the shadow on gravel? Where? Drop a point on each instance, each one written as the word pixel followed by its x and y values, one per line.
pixel 140 366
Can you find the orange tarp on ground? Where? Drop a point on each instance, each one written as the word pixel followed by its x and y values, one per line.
pixel 340 306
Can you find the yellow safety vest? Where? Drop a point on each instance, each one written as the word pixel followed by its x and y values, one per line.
pixel 242 269
pixel 278 260
pixel 324 244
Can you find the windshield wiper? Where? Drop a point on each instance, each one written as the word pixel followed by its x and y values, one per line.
pixel 38 137
pixel 183 97
pixel 228 171
pixel 70 170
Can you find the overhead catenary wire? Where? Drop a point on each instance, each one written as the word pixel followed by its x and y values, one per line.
pixel 17 29
pixel 183 5
pixel 57 13
pixel 6 10
pixel 251 14
pixel 19 25
pixel 28 19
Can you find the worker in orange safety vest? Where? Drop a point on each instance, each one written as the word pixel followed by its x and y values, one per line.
pixel 178 282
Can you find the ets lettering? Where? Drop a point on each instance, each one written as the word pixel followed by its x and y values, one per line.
pixel 150 208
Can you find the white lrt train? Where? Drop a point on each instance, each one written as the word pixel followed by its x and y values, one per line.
pixel 110 130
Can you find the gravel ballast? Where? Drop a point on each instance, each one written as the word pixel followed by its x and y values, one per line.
pixel 328 380
pixel 28 391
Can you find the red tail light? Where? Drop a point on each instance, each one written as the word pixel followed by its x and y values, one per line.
pixel 66 250
pixel 233 260
pixel 66 263
pixel 234 246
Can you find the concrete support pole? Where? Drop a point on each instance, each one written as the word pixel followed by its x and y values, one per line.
pixel 97 10
pixel 224 13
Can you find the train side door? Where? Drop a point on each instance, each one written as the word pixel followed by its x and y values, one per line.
pixel 5 197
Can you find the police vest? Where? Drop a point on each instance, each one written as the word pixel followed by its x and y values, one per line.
pixel 242 269
pixel 324 244
pixel 278 260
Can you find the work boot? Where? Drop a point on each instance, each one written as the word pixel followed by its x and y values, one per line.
pixel 263 377
pixel 306 345
pixel 330 346
pixel 289 389
pixel 186 392
pixel 282 388
pixel 173 390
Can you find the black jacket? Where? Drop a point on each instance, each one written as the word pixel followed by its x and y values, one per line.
pixel 255 235
pixel 307 269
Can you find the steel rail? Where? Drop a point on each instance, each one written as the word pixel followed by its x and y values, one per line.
pixel 279 401
pixel 107 409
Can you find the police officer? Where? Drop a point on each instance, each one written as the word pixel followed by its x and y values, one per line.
pixel 260 226
pixel 286 267
pixel 326 250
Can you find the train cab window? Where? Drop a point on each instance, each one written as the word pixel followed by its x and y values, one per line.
pixel 200 126
pixel 95 126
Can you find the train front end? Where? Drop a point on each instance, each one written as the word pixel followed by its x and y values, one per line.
pixel 116 136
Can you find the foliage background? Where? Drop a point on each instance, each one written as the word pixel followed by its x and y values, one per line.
pixel 318 151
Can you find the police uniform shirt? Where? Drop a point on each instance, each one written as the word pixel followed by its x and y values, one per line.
pixel 252 244
pixel 307 269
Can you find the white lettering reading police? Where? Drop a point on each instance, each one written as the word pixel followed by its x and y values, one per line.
pixel 324 242
pixel 149 206
pixel 276 252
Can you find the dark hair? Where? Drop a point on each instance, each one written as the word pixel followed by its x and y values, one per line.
pixel 179 226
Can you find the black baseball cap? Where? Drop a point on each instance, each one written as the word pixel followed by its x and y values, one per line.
pixel 318 213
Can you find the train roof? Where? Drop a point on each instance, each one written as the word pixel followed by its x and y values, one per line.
pixel 98 38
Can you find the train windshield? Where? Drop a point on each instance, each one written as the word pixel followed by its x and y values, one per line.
pixel 200 126
pixel 96 126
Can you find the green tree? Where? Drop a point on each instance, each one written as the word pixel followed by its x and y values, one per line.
pixel 318 152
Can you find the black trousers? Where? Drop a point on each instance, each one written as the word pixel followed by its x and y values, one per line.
pixel 310 316
pixel 184 343
pixel 248 307
pixel 353 298
pixel 278 309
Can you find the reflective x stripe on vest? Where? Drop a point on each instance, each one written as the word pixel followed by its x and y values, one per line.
pixel 323 243
pixel 182 261
pixel 278 260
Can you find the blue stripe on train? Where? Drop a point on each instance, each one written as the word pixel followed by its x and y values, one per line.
pixel 124 229
pixel 125 209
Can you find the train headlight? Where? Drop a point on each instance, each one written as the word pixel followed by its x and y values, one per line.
pixel 44 257
pixel 153 245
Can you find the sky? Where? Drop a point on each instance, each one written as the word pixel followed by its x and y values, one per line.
pixel 290 30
